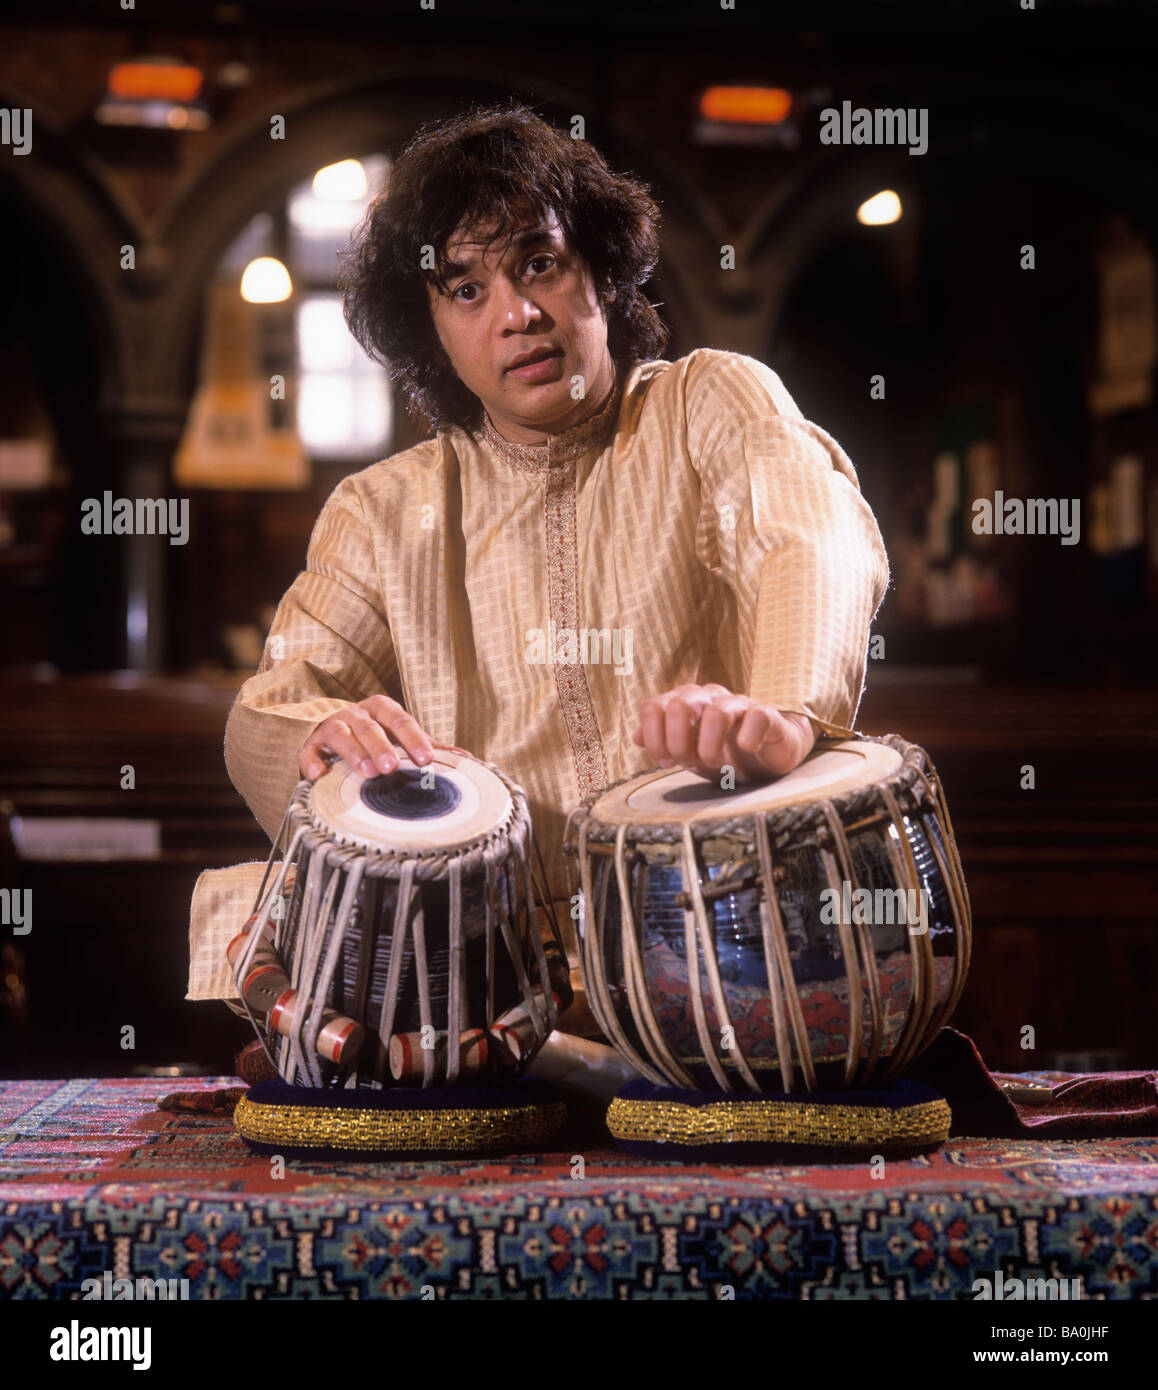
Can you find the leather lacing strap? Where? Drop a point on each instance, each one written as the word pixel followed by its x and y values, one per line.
pixel 593 968
pixel 781 976
pixel 924 981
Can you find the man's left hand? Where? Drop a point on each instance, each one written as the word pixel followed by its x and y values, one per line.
pixel 705 728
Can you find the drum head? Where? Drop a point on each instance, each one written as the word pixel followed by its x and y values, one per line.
pixel 450 804
pixel 678 795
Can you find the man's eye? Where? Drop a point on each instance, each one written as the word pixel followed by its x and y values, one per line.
pixel 470 285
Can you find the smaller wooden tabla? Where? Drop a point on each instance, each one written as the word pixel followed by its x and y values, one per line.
pixel 808 933
pixel 397 943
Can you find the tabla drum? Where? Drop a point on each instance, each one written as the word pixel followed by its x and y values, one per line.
pixel 397 943
pixel 804 934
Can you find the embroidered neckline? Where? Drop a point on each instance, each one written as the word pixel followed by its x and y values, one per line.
pixel 560 449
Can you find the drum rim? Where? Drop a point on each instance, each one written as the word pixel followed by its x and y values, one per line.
pixel 511 831
pixel 785 823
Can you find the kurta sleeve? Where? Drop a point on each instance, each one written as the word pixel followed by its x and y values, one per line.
pixel 783 521
pixel 329 646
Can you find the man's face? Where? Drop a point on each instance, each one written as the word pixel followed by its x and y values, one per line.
pixel 530 296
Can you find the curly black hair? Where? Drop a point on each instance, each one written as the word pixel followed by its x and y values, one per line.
pixel 488 168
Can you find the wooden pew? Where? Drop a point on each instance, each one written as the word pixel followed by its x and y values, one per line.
pixel 108 947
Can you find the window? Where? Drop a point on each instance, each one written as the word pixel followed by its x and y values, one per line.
pixel 343 402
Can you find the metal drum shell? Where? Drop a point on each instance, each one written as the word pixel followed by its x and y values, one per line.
pixel 670 1022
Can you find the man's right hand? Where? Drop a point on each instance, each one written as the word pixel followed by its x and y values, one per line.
pixel 360 733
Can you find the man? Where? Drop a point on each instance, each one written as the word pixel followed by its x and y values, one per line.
pixel 602 560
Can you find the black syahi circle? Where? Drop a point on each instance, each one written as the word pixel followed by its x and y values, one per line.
pixel 401 795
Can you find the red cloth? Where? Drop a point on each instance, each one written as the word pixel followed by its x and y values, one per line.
pixel 204 1102
pixel 252 1065
pixel 1103 1105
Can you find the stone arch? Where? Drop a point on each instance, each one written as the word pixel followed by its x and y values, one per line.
pixel 68 201
pixel 802 217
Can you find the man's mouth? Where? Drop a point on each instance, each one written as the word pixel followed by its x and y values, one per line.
pixel 531 358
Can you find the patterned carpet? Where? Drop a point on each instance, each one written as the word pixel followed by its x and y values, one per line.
pixel 94 1178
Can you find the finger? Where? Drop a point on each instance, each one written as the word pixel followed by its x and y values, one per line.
pixel 313 753
pixel 381 752
pixel 402 726
pixel 718 725
pixel 310 760
pixel 779 749
pixel 682 726
pixel 413 738
pixel 753 728
pixel 651 715
pixel 652 733
pixel 338 736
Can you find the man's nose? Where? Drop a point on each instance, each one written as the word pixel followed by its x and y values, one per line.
pixel 516 308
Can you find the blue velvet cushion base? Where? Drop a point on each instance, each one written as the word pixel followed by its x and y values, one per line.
pixel 275 1117
pixel 897 1121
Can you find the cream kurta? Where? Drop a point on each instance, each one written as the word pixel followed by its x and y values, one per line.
pixel 713 532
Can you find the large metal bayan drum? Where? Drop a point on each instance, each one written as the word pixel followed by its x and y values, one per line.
pixel 803 934
pixel 397 942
